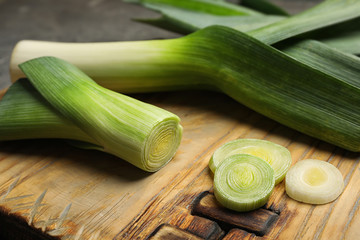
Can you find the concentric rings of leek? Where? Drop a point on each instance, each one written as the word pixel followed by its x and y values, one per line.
pixel 276 155
pixel 314 181
pixel 243 182
pixel 162 144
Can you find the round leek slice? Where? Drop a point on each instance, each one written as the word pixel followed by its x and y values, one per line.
pixel 276 155
pixel 314 181
pixel 243 182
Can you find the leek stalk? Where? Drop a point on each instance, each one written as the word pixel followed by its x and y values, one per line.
pixel 243 182
pixel 25 114
pixel 63 102
pixel 314 181
pixel 276 155
pixel 317 103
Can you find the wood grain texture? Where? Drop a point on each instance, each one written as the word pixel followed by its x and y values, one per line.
pixel 168 232
pixel 258 221
pixel 76 194
pixel 235 234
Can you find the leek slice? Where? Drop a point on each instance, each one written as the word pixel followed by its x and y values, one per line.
pixel 243 182
pixel 276 155
pixel 140 133
pixel 314 181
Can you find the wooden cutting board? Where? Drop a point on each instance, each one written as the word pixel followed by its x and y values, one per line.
pixel 50 190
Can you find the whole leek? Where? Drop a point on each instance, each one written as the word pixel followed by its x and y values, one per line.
pixel 317 103
pixel 68 104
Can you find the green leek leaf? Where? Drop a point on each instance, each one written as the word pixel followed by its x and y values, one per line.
pixel 327 13
pixel 268 28
pixel 180 21
pixel 344 36
pixel 220 8
pixel 189 19
pixel 264 7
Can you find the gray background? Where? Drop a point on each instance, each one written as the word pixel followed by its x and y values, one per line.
pixel 82 21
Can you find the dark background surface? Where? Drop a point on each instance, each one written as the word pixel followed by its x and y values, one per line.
pixel 83 21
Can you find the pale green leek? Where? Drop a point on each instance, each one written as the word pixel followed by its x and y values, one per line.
pixel 243 182
pixel 276 155
pixel 63 102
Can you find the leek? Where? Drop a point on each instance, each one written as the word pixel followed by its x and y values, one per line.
pixel 63 102
pixel 189 19
pixel 314 181
pixel 318 103
pixel 243 182
pixel 220 8
pixel 276 155
pixel 25 114
pixel 264 7
pixel 268 28
pixel 344 36
pixel 325 14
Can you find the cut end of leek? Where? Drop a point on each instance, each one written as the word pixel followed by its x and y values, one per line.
pixel 276 155
pixel 314 181
pixel 243 182
pixel 162 144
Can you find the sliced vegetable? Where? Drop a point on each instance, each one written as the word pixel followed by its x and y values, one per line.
pixel 318 103
pixel 314 181
pixel 243 182
pixel 72 104
pixel 276 155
